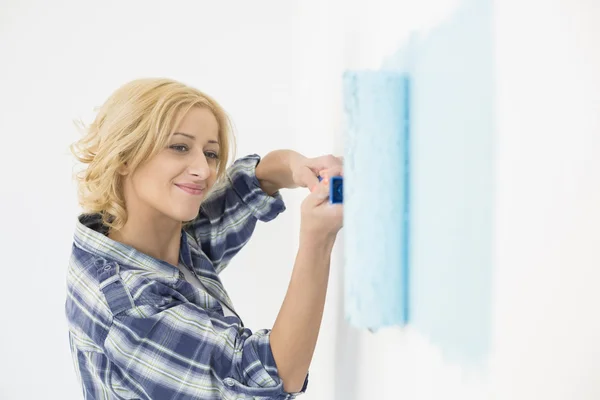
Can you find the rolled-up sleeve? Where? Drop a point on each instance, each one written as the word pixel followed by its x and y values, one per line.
pixel 186 351
pixel 228 216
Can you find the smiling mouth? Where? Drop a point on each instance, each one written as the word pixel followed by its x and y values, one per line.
pixel 191 190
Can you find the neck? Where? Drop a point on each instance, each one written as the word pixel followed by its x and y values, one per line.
pixel 156 237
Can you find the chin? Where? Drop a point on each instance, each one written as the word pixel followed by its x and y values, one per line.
pixel 188 216
pixel 184 210
pixel 182 214
pixel 186 220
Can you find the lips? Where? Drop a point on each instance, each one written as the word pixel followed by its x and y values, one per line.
pixel 194 190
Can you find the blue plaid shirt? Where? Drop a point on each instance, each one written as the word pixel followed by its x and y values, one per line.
pixel 138 330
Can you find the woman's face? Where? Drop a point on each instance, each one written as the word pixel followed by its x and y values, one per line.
pixel 174 182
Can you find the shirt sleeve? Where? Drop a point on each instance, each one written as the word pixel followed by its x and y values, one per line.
pixel 228 215
pixel 187 352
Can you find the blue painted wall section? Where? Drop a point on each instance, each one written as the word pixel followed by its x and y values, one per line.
pixel 449 288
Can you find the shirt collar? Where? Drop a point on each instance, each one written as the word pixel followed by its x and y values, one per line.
pixel 91 236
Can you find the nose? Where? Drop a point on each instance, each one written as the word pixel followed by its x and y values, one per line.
pixel 200 168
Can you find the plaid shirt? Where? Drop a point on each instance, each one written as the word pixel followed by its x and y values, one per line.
pixel 138 330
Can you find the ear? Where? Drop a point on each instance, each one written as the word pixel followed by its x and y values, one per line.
pixel 123 169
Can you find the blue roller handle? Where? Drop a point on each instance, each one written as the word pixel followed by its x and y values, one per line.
pixel 336 189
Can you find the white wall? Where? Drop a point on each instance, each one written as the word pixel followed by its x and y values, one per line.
pixel 548 197
pixel 59 62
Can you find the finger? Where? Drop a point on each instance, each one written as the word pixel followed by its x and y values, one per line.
pixel 319 195
pixel 337 170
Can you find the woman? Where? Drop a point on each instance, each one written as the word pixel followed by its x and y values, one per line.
pixel 148 315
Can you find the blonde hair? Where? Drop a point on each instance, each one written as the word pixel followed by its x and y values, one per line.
pixel 132 126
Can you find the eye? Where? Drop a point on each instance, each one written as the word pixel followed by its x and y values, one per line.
pixel 180 148
pixel 211 154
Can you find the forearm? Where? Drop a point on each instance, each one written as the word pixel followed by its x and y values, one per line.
pixel 294 335
pixel 274 170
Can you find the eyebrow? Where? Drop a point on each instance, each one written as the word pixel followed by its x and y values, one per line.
pixel 192 137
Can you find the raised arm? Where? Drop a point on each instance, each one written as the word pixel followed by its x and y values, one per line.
pixel 295 332
pixel 250 193
pixel 228 216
